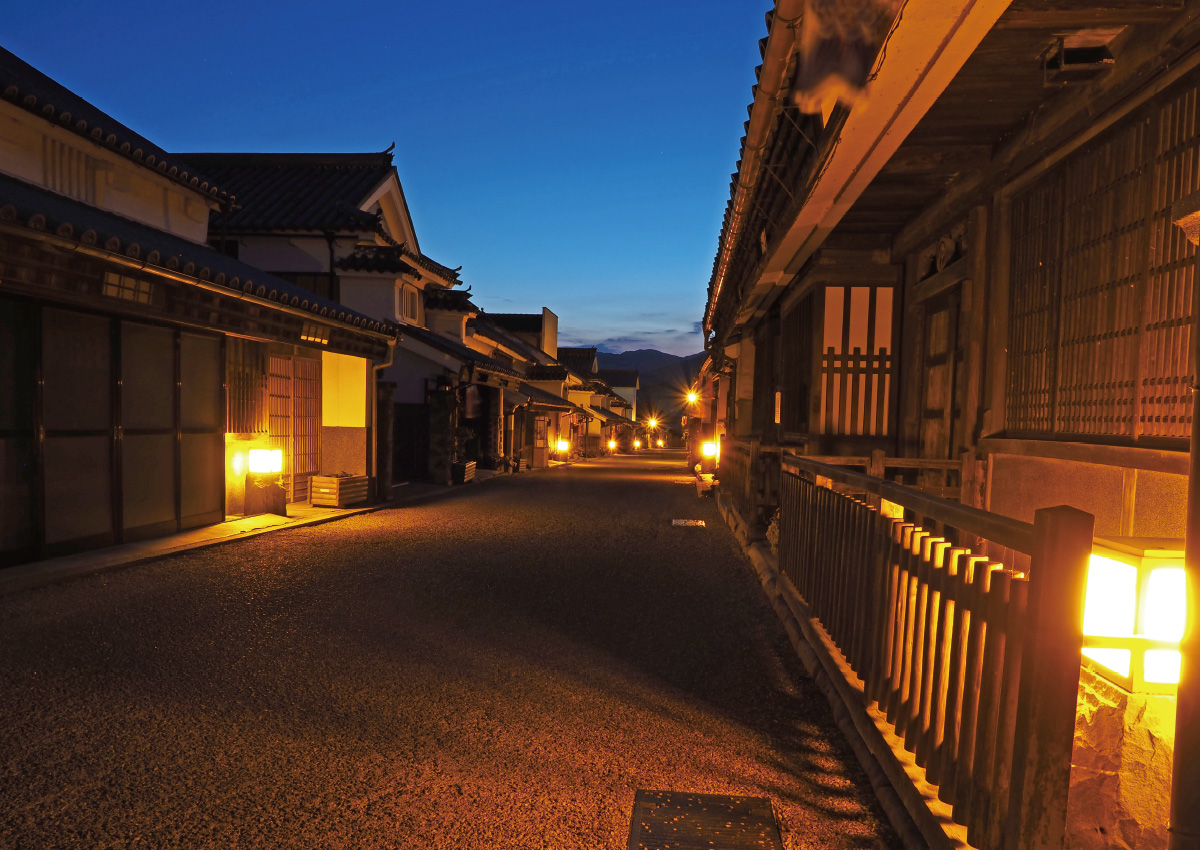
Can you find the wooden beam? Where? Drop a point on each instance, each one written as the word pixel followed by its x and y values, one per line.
pixel 1124 457
pixel 1089 17
pixel 919 159
pixel 1069 118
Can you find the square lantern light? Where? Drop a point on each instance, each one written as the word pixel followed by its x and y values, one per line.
pixel 564 446
pixel 1135 611
pixel 265 460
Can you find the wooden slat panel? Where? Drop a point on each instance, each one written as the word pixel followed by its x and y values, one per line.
pixel 1101 284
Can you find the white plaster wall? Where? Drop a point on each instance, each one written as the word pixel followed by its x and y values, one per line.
pixel 409 373
pixel 373 296
pixel 300 254
pixel 51 157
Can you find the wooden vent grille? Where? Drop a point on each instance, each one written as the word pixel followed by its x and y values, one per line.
pixel 1101 285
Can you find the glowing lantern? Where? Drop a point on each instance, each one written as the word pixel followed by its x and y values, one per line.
pixel 564 446
pixel 709 449
pixel 1134 612
pixel 266 460
pixel 660 442
pixel 653 423
pixel 612 444
pixel 637 444
pixel 692 397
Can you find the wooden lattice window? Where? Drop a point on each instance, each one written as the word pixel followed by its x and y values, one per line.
pixel 246 378
pixel 1101 281
pixel 856 361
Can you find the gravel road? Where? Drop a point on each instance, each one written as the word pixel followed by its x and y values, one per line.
pixel 500 668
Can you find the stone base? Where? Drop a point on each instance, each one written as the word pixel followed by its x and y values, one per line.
pixel 1121 768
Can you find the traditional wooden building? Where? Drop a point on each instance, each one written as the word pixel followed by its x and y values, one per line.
pixel 969 280
pixel 977 258
pixel 138 366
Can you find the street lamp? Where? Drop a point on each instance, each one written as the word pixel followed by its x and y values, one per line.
pixel 693 397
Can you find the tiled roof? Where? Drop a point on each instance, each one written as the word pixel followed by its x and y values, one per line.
pixel 429 265
pixel 32 90
pixel 619 377
pixel 45 211
pixel 518 323
pixel 607 415
pixel 441 298
pixel 297 191
pixel 545 399
pixel 457 349
pixel 578 360
pixel 376 258
pixel 553 372
pixel 489 329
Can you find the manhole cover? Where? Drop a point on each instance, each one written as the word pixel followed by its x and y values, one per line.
pixel 698 522
pixel 675 819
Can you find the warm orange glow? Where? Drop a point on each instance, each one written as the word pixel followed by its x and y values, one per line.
pixel 266 460
pixel 660 442
pixel 1110 606
pixel 637 444
pixel 1136 601
pixel 564 446
pixel 653 423
pixel 238 463
pixel 692 397
pixel 612 444
pixel 709 449
pixel 1164 604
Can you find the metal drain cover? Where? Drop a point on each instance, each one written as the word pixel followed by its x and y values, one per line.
pixel 698 522
pixel 681 821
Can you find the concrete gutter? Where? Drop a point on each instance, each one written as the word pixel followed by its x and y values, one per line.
pixel 910 803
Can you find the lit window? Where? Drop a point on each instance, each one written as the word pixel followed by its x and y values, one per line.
pixel 128 288
pixel 315 333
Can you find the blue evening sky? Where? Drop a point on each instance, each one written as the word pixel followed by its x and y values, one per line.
pixel 568 155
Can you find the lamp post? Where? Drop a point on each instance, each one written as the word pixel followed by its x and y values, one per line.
pixel 1185 773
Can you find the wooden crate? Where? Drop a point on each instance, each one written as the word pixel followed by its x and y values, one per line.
pixel 334 492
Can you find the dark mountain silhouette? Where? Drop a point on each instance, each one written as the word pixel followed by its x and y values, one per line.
pixel 664 380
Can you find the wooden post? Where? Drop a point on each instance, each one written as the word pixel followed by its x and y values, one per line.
pixel 1185 774
pixel 1045 731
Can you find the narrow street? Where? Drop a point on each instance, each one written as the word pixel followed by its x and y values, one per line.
pixel 501 668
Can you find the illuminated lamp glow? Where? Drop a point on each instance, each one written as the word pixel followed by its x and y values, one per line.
pixel 692 398
pixel 709 449
pixel 1110 606
pixel 1117 660
pixel 238 463
pixel 653 423
pixel 612 444
pixel 637 444
pixel 1164 605
pixel 564 446
pixel 660 442
pixel 266 460
pixel 1162 666
pixel 1130 606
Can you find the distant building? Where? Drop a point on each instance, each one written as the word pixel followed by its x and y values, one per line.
pixel 625 383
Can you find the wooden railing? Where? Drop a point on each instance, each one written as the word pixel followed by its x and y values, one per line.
pixel 963 629
pixel 733 471
pixel 945 478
